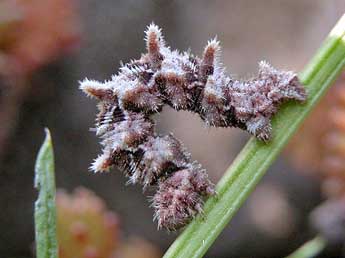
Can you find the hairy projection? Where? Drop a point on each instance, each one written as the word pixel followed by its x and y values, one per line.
pixel 184 82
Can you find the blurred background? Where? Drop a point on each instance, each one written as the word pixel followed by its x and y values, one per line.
pixel 47 46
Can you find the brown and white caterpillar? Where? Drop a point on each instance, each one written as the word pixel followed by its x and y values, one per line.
pixel 185 82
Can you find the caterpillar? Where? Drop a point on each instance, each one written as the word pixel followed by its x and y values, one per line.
pixel 184 82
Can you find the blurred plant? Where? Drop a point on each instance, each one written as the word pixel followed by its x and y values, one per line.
pixel 319 149
pixel 319 146
pixel 136 247
pixel 84 227
pixel 33 33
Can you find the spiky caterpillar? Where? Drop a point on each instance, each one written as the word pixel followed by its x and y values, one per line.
pixel 184 82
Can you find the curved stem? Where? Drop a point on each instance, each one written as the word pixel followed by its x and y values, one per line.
pixel 256 157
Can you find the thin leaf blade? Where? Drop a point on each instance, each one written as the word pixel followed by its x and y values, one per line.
pixel 45 210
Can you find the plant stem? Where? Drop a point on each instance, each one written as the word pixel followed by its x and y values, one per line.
pixel 256 157
pixel 309 249
pixel 45 211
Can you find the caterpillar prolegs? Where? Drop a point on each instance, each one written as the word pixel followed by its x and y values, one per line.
pixel 185 82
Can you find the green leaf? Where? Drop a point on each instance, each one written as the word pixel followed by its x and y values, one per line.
pixel 256 157
pixel 310 249
pixel 45 210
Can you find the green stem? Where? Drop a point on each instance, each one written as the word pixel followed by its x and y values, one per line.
pixel 309 249
pixel 256 157
pixel 45 210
